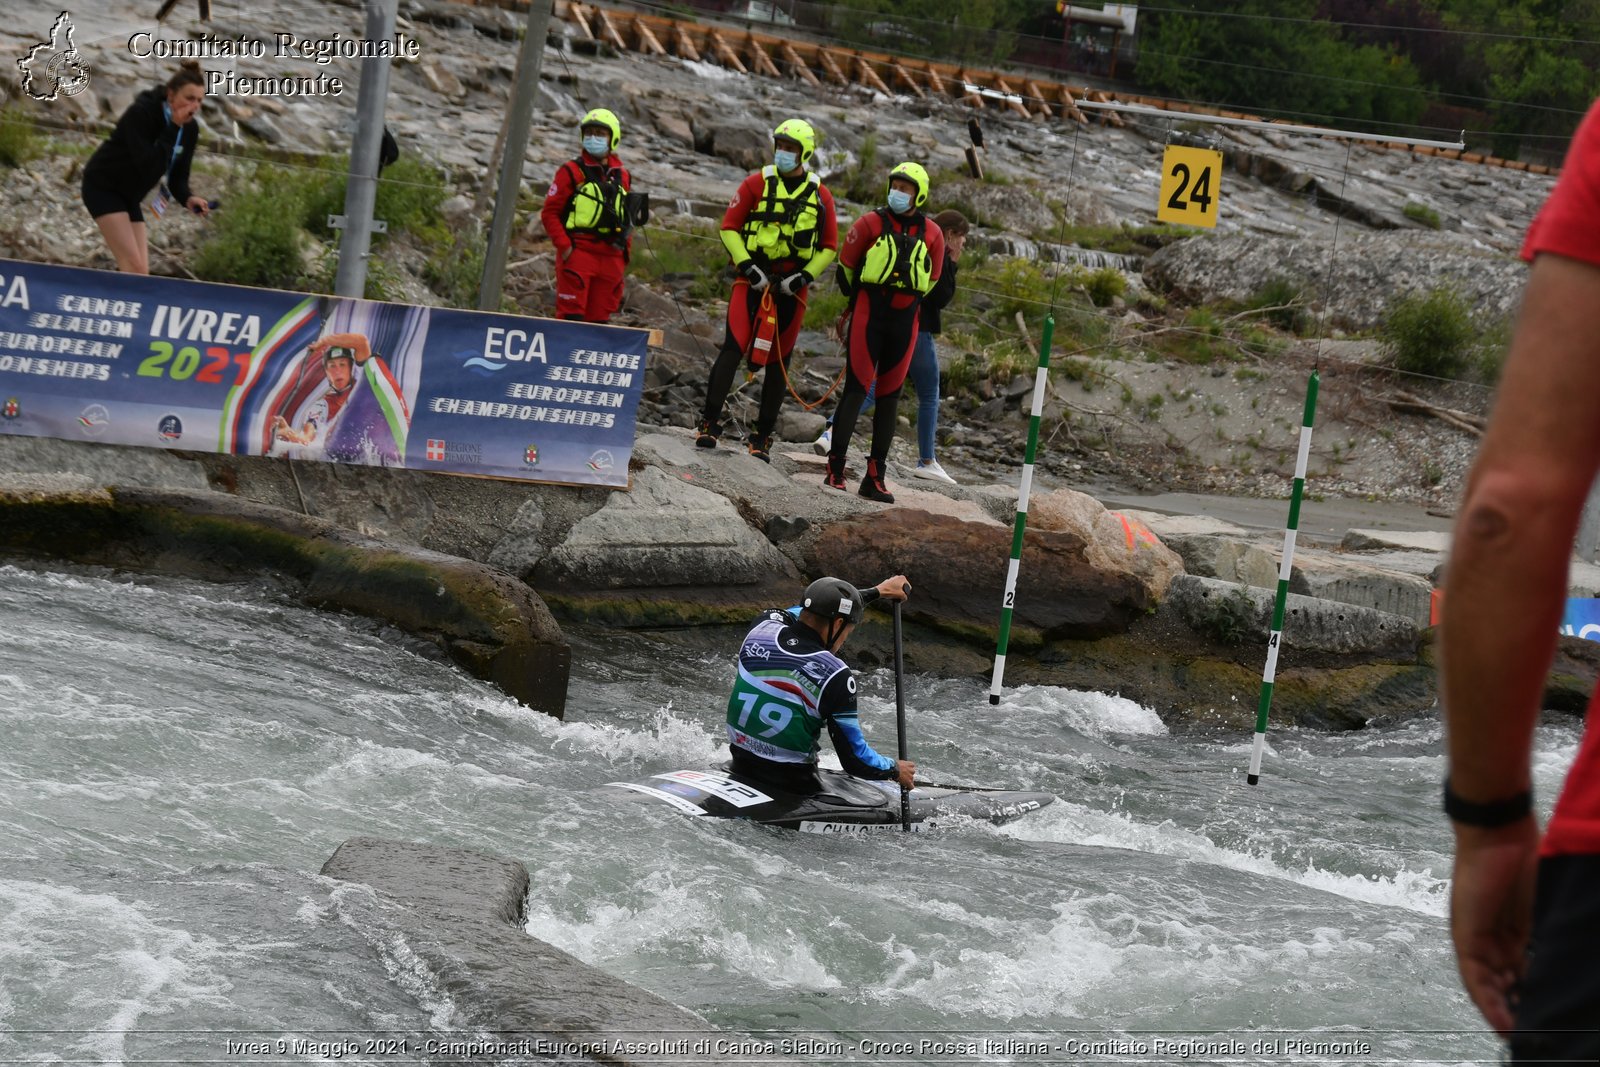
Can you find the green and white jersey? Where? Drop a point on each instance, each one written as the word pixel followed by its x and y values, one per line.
pixel 782 698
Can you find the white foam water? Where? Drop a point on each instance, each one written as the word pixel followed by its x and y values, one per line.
pixel 167 800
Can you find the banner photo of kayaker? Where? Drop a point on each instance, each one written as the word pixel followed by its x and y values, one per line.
pixel 168 363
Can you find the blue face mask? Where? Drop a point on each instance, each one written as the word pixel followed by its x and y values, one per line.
pixel 899 201
pixel 599 147
pixel 784 161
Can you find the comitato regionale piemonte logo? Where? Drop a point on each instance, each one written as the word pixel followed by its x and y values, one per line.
pixel 55 68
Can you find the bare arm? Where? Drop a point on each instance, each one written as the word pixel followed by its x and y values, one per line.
pixel 1508 563
pixel 1503 602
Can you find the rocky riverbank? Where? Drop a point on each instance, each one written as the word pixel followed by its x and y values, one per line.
pixel 1166 610
pixel 1172 384
pixel 1169 374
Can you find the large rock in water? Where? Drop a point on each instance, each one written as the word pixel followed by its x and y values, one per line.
pixel 461 915
pixel 1114 542
pixel 488 622
pixel 1356 281
pixel 1070 585
pixel 667 551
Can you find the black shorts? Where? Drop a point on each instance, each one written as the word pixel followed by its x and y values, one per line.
pixel 102 201
pixel 1558 1018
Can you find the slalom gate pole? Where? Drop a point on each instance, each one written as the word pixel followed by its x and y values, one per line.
pixel 900 717
pixel 1290 531
pixel 1010 600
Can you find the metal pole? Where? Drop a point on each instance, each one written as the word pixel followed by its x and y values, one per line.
pixel 1290 532
pixel 361 191
pixel 1041 379
pixel 900 716
pixel 518 121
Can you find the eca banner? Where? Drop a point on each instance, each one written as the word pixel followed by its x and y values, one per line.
pixel 1582 618
pixel 132 360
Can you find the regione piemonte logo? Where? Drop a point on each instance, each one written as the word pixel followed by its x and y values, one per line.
pixel 55 68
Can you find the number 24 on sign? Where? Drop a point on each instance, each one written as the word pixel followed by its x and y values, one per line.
pixel 1190 181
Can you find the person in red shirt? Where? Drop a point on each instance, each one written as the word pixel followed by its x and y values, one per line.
pixel 781 233
pixel 1528 959
pixel 891 259
pixel 586 215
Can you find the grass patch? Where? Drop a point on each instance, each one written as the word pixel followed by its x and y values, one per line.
pixel 19 139
pixel 1282 302
pixel 1422 214
pixel 866 181
pixel 685 250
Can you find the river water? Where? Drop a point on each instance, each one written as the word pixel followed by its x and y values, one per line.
pixel 179 759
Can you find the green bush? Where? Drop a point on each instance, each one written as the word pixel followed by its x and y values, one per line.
pixel 1284 304
pixel 455 267
pixel 408 198
pixel 1229 618
pixel 1104 285
pixel 255 240
pixel 1431 333
pixel 19 141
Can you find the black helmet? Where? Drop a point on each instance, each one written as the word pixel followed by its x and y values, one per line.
pixel 834 598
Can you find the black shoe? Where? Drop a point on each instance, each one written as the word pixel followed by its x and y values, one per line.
pixel 708 433
pixel 760 446
pixel 872 486
pixel 834 479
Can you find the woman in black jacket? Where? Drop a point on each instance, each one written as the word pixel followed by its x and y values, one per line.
pixel 154 142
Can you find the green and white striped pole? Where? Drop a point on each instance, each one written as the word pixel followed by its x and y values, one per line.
pixel 1275 639
pixel 1010 600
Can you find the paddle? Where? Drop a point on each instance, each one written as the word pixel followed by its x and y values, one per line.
pixel 900 718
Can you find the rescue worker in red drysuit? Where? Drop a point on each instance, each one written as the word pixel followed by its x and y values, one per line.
pixel 781 233
pixel 586 215
pixel 890 260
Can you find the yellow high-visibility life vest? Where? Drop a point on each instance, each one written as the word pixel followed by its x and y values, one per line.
pixel 783 224
pixel 898 260
pixel 599 205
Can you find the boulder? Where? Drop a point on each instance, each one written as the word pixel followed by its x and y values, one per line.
pixel 441 79
pixel 1115 543
pixel 674 126
pixel 1356 283
pixel 665 532
pixel 960 567
pixel 1360 583
pixel 747 147
pixel 1237 614
pixel 461 914
pixel 484 619
pixel 1227 558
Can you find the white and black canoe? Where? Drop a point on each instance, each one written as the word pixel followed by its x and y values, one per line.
pixel 845 805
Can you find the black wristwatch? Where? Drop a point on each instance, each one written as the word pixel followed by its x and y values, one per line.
pixel 1488 816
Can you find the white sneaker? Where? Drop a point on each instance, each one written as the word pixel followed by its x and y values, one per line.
pixel 822 444
pixel 933 471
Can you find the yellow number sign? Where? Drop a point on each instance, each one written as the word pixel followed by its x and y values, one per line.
pixel 1191 180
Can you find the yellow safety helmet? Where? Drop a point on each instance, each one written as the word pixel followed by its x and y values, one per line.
pixel 800 132
pixel 913 173
pixel 601 117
